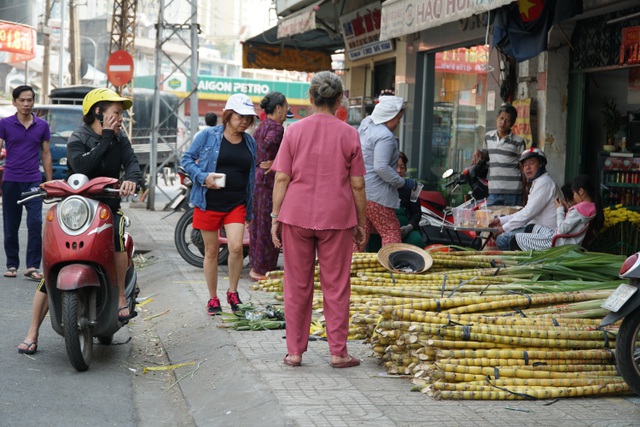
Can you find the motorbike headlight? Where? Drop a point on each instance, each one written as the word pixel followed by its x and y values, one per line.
pixel 74 213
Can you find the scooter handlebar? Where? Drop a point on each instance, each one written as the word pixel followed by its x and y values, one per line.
pixel 28 195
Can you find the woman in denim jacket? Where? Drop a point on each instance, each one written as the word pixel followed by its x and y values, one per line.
pixel 221 163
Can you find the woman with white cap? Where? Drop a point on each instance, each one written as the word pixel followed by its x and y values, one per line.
pixel 380 152
pixel 221 162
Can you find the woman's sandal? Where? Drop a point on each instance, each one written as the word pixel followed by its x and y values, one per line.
pixel 11 272
pixel 123 318
pixel 33 274
pixel 288 362
pixel 348 363
pixel 255 277
pixel 28 350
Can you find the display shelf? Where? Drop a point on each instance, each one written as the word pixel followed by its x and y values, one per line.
pixel 620 175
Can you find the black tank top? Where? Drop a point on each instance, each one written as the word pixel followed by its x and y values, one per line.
pixel 234 160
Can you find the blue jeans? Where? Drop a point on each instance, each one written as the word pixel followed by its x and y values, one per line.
pixel 504 200
pixel 502 241
pixel 11 218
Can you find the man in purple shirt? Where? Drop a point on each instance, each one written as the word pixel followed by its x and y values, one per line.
pixel 24 136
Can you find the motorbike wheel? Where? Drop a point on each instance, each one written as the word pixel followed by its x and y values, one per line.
pixel 189 241
pixel 77 331
pixel 628 351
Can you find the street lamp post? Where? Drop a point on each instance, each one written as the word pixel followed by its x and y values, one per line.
pixel 95 57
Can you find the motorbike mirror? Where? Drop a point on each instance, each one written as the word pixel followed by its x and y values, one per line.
pixel 447 174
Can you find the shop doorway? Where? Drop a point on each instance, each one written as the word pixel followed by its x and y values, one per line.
pixel 384 77
pixel 464 103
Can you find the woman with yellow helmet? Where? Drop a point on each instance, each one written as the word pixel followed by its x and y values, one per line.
pixel 98 148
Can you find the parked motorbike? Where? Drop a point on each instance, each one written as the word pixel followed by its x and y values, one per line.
pixel 437 217
pixel 624 303
pixel 79 264
pixel 188 240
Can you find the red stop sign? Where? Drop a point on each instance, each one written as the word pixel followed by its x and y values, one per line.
pixel 120 68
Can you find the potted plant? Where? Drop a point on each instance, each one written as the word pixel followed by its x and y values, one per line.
pixel 612 118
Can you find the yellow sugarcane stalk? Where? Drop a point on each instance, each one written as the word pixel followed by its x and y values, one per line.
pixel 518 372
pixel 544 382
pixel 528 354
pixel 539 393
pixel 484 361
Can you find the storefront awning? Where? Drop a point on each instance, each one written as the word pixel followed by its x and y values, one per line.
pixel 400 17
pixel 298 44
pixel 310 51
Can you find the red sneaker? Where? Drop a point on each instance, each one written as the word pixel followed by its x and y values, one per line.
pixel 234 300
pixel 213 306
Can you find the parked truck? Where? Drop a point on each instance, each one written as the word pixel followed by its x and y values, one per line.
pixel 142 120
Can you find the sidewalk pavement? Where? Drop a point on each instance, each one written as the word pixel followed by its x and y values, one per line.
pixel 239 378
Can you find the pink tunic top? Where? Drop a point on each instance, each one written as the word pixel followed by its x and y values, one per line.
pixel 320 153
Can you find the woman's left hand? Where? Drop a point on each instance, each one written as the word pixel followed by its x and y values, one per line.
pixel 275 233
pixel 127 188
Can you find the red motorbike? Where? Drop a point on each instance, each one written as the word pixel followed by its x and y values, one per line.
pixel 188 240
pixel 436 225
pixel 79 264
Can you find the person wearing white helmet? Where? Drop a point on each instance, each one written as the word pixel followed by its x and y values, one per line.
pixel 97 148
pixel 225 151
pixel 540 208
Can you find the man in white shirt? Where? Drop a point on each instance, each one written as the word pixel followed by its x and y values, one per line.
pixel 540 208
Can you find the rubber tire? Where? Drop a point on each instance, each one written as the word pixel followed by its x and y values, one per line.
pixel 182 246
pixel 627 345
pixel 184 223
pixel 78 342
pixel 105 340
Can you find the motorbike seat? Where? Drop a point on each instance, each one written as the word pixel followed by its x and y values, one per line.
pixel 434 198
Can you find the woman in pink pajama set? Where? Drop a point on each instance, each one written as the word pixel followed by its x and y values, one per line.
pixel 319 209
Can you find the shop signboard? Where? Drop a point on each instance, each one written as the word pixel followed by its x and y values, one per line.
pixel 17 41
pixel 361 32
pixel 299 22
pixel 473 60
pixel 220 88
pixel 400 17
pixel 522 126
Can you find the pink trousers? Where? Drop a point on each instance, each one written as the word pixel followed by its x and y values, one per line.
pixel 333 248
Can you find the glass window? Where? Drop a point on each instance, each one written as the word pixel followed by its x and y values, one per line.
pixel 460 108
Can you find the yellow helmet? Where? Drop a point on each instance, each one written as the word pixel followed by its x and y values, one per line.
pixel 103 94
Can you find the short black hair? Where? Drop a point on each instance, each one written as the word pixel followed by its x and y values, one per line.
pixel 22 88
pixel 271 101
pixel 510 110
pixel 211 119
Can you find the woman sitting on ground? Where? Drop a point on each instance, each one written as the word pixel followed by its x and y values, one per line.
pixel 586 210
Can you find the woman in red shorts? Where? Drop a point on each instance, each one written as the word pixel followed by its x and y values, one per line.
pixel 221 162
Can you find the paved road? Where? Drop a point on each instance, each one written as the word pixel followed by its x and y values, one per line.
pixel 237 378
pixel 45 389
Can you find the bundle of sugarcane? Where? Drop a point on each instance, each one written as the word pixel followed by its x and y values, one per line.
pixel 484 356
pixel 489 274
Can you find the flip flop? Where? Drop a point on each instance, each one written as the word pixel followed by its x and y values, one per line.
pixel 350 362
pixel 11 272
pixel 28 350
pixel 255 277
pixel 123 318
pixel 290 363
pixel 33 274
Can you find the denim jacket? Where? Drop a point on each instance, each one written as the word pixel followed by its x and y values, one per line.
pixel 205 149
